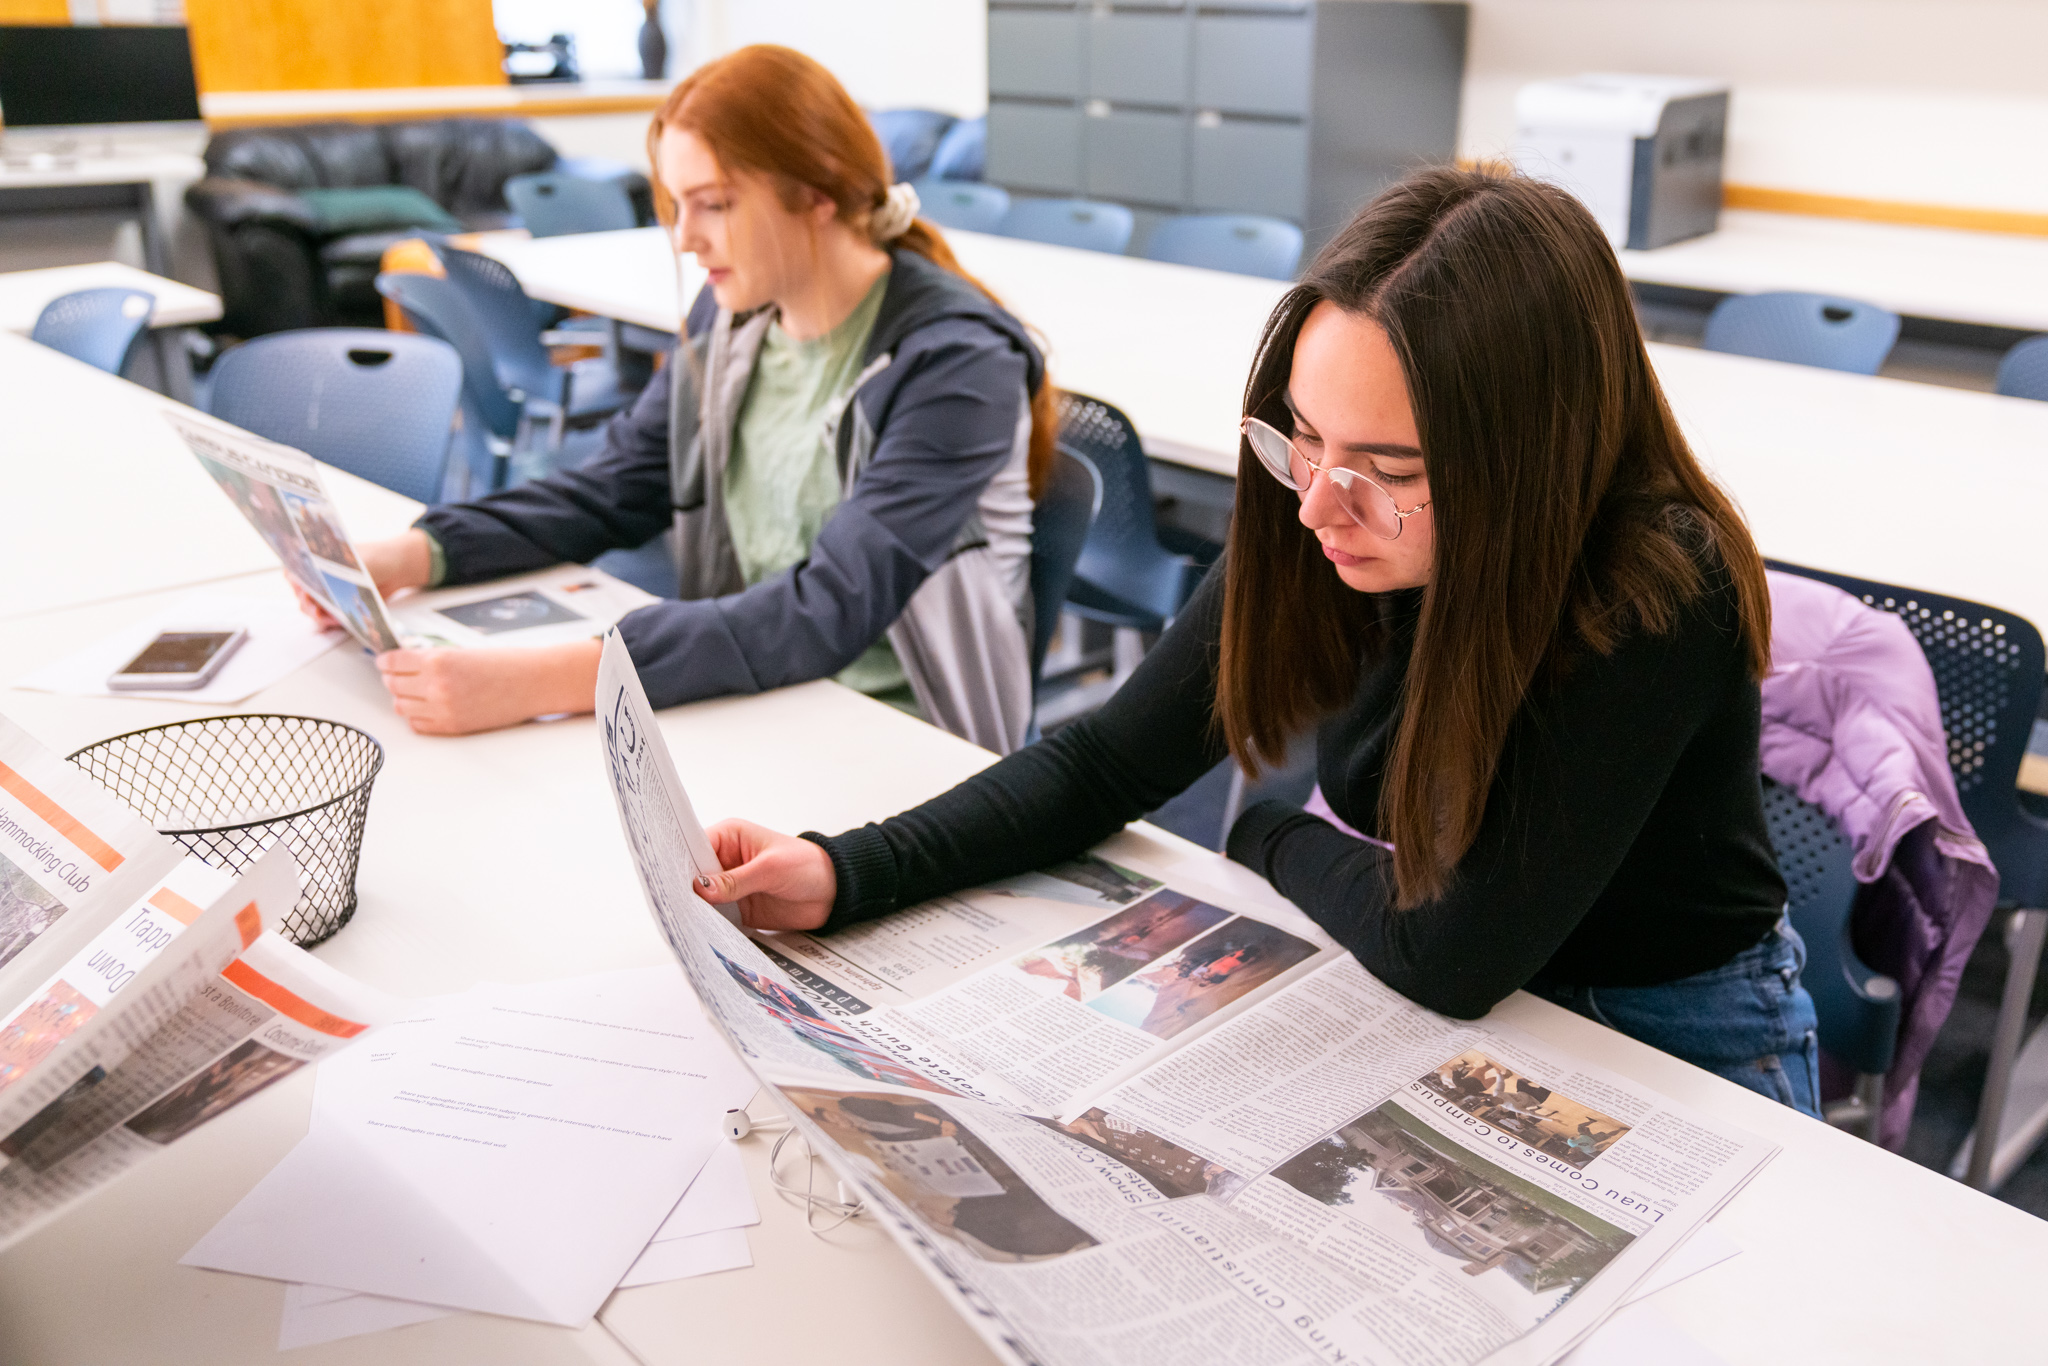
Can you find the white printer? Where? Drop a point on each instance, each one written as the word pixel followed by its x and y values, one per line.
pixel 1643 152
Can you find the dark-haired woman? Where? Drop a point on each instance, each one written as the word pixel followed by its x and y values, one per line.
pixel 844 447
pixel 1472 549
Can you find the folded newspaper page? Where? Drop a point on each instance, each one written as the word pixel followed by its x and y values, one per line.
pixel 269 1012
pixel 1116 1121
pixel 114 947
pixel 279 491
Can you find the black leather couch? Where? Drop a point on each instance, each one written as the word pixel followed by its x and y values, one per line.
pixel 280 269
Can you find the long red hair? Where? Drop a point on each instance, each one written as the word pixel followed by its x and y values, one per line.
pixel 775 112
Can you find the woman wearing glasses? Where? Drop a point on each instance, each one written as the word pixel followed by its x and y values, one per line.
pixel 1472 551
pixel 844 447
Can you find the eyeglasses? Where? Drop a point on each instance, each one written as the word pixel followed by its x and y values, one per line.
pixel 1369 505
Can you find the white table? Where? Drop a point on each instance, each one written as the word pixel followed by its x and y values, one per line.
pixel 25 293
pixel 1908 483
pixel 1851 1254
pixel 1990 279
pixel 104 500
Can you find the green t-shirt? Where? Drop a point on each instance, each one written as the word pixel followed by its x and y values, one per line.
pixel 782 480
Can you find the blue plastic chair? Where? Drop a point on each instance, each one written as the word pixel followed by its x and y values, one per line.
pixel 102 327
pixel 910 137
pixel 1059 527
pixel 1988 669
pixel 1245 243
pixel 494 420
pixel 1089 224
pixel 1124 577
pixel 565 396
pixel 552 204
pixel 968 205
pixel 1859 1007
pixel 377 404
pixel 1804 329
pixel 962 153
pixel 2024 371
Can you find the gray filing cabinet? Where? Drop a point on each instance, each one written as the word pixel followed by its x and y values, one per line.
pixel 1300 109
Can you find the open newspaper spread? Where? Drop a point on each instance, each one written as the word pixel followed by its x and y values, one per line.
pixel 279 491
pixel 141 994
pixel 1116 1121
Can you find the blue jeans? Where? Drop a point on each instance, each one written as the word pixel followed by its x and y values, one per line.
pixel 1748 1020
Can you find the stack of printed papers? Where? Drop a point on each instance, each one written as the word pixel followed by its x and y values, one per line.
pixel 511 1150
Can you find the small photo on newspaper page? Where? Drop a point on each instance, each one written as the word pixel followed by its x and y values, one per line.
pixel 806 1024
pixel 946 1174
pixel 278 490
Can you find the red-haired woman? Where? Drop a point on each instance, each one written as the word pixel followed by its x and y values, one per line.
pixel 845 447
pixel 1472 550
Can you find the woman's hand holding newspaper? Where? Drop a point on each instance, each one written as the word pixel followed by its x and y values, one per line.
pixel 394 563
pixel 780 882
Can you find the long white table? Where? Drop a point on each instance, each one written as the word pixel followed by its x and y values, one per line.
pixel 1850 1254
pixel 104 500
pixel 1990 279
pixel 1908 483
pixel 25 293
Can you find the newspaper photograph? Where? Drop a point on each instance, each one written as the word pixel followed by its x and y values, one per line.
pixel 1256 1152
pixel 278 490
pixel 274 1009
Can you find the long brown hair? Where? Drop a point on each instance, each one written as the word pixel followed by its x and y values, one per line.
pixel 1569 512
pixel 773 111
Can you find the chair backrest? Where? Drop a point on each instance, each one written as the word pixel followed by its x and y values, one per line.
pixel 439 309
pixel 1245 243
pixel 1858 1006
pixel 2024 371
pixel 510 325
pixel 101 327
pixel 965 204
pixel 1804 329
pixel 377 404
pixel 1059 526
pixel 910 137
pixel 1086 223
pixel 1122 568
pixel 962 153
pixel 551 204
pixel 1988 669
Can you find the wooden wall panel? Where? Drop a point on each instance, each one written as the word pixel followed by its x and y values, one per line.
pixel 342 44
pixel 35 12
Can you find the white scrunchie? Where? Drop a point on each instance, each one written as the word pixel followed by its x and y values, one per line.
pixel 896 215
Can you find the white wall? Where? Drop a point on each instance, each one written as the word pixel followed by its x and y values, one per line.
pixel 927 54
pixel 1924 101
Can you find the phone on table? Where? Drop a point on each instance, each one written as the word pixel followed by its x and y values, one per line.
pixel 180 659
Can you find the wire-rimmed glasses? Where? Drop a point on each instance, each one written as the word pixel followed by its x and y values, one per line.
pixel 1369 505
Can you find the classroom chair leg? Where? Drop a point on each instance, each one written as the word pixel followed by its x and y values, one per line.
pixel 1995 1147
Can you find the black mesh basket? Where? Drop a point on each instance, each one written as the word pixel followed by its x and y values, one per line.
pixel 229 787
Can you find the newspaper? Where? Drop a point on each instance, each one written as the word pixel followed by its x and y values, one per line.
pixel 117 946
pixel 1314 1169
pixel 279 491
pixel 272 1010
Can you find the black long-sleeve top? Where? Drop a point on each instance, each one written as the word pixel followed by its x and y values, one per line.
pixel 1623 842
